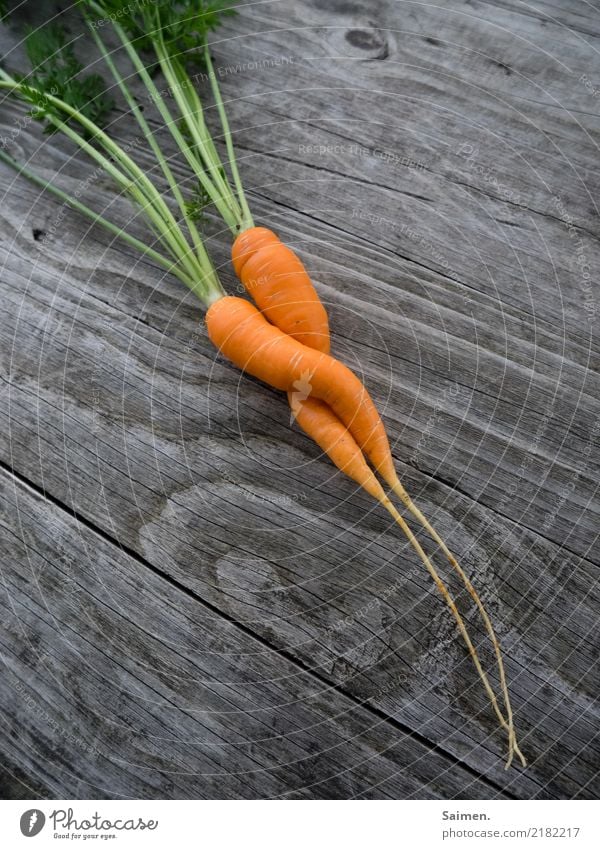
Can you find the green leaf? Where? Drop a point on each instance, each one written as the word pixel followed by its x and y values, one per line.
pixel 196 205
pixel 57 71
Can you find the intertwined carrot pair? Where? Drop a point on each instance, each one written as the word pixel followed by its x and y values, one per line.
pixel 285 340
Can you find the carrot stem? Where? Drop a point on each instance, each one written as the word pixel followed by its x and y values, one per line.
pixel 130 177
pixel 221 193
pixel 149 135
pixel 247 220
pixel 192 115
pixel 215 195
pixel 136 183
pixel 169 265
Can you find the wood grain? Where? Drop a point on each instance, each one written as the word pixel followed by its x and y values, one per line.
pixel 436 168
pixel 177 700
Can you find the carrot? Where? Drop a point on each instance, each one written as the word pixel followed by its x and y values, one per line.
pixel 335 410
pixel 280 286
pixel 319 422
pixel 330 434
pixel 278 283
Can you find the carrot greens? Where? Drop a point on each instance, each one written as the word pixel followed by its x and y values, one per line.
pixel 56 69
pixel 78 105
pixel 170 37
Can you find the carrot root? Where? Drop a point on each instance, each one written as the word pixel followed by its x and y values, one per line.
pixel 402 494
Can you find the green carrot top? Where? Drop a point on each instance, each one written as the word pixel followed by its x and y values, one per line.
pixel 166 37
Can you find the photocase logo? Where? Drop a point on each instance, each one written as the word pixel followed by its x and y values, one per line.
pixel 32 822
pixel 302 389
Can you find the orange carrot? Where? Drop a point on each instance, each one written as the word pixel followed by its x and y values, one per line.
pixel 319 422
pixel 337 412
pixel 323 426
pixel 280 286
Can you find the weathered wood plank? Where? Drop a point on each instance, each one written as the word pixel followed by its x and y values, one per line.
pixel 527 399
pixel 469 161
pixel 128 686
pixel 529 385
pixel 466 142
pixel 17 784
pixel 308 573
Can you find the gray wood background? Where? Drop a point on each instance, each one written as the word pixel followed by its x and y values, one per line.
pixel 195 604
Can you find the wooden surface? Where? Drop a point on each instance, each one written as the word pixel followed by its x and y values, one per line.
pixel 195 605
